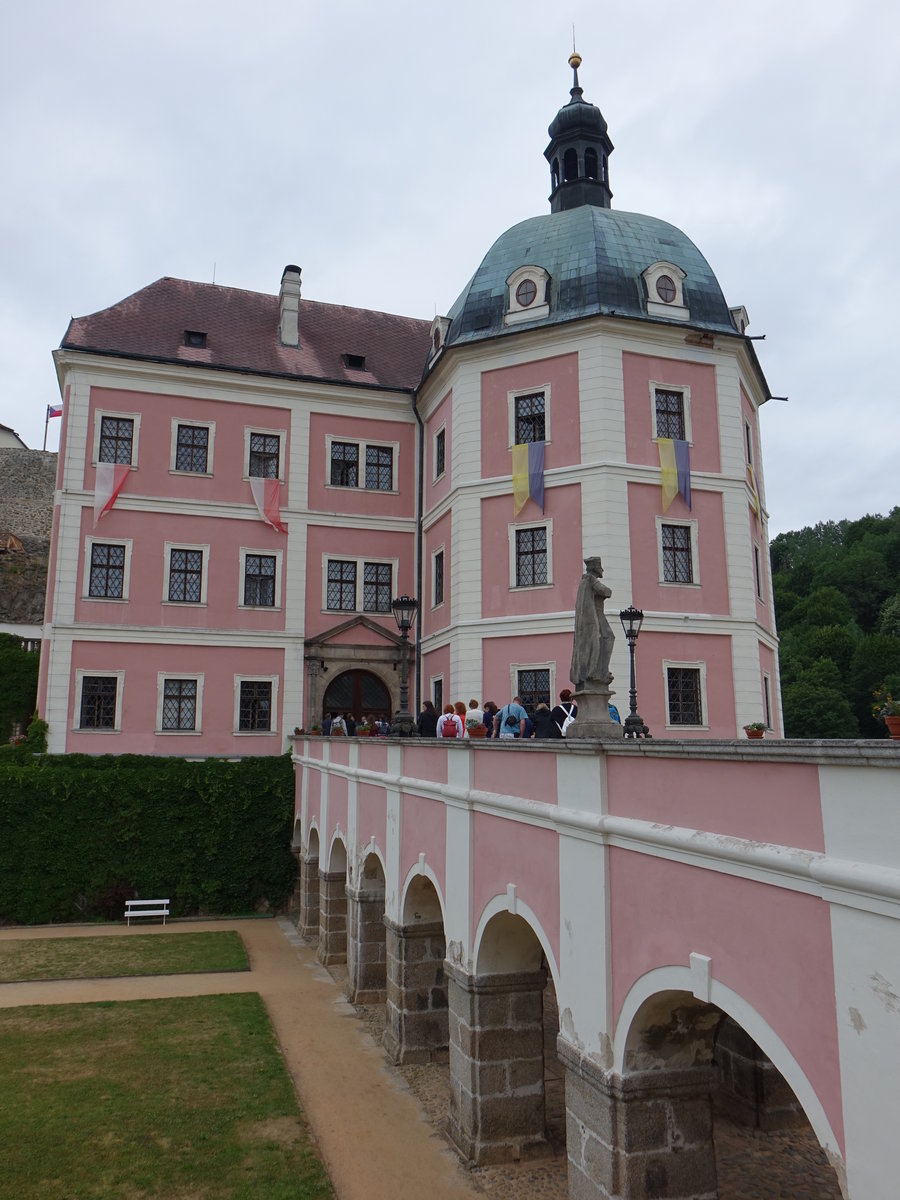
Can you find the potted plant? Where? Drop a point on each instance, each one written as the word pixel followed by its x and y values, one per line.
pixel 888 709
pixel 755 730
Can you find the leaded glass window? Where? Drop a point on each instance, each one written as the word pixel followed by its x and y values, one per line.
pixel 379 468
pixel 531 556
pixel 255 706
pixel 377 587
pixel 264 455
pixel 676 553
pixel 116 440
pixel 534 688
pixel 98 702
pixel 440 447
pixel 529 418
pixel 344 464
pixel 341 585
pixel 179 709
pixel 186 575
pixel 439 577
pixel 684 696
pixel 107 571
pixel 669 414
pixel 192 448
pixel 259 580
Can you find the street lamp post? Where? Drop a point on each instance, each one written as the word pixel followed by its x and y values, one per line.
pixel 632 619
pixel 404 609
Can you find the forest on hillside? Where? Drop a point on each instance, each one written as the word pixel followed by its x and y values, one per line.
pixel 837 602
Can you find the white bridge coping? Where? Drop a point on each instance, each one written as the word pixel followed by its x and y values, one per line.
pixel 867 886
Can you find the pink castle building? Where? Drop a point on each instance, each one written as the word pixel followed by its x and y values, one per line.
pixel 286 467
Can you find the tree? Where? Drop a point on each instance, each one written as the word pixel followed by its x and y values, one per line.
pixel 815 706
pixel 19 675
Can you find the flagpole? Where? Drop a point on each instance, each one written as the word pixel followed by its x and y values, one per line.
pixel 46 423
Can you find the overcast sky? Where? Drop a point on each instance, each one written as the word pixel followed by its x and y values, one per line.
pixel 384 146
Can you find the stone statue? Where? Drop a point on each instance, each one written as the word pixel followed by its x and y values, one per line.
pixel 594 638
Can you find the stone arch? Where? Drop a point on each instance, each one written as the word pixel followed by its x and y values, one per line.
pixel 570 165
pixel 508 1097
pixel 337 854
pixel 416 1023
pixel 333 904
pixel 308 920
pixel 694 1049
pixel 360 692
pixel 489 953
pixel 366 942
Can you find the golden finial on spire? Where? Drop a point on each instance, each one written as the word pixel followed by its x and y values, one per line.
pixel 575 60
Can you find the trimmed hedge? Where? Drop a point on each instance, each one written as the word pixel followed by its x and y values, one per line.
pixel 79 835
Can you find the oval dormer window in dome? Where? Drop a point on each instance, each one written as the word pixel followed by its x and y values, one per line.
pixel 526 292
pixel 527 295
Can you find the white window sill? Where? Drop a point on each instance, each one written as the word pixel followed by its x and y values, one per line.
pixel 191 474
pixel 259 608
pixel 255 732
pixel 108 599
pixel 348 487
pixel 668 583
pixel 89 729
pixel 531 587
pixel 178 732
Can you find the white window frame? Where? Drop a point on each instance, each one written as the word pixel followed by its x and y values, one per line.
pixel 511 398
pixel 539 308
pixel 95 672
pixel 748 443
pixel 99 414
pixel 89 543
pixel 282 449
pixel 360 561
pixel 442 429
pixel 695 552
pixel 767 699
pixel 435 603
pixel 363 444
pixel 758 579
pixel 161 678
pixel 210 427
pixel 168 547
pixel 676 309
pixel 512 529
pixel 238 680
pixel 515 668
pixel 269 553
pixel 704 705
pixel 433 679
pixel 685 405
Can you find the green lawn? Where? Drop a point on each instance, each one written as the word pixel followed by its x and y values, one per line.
pixel 182 1099
pixel 126 954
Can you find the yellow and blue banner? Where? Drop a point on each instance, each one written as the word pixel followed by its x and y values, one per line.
pixel 675 466
pixel 527 475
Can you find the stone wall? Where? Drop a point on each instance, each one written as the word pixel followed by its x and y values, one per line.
pixel 27 484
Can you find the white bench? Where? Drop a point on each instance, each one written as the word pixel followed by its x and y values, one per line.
pixel 146 908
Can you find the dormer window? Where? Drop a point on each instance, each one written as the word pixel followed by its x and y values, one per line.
pixel 527 298
pixel 195 339
pixel 665 294
pixel 354 362
pixel 440 327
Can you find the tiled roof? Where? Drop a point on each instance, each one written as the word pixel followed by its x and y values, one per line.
pixel 242 335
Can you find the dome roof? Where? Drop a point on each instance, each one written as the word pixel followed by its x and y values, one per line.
pixel 595 258
pixel 577 115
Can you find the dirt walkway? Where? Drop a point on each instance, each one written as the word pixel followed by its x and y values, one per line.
pixel 371 1131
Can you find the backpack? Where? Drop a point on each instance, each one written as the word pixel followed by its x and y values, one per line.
pixel 448 729
pixel 338 728
pixel 567 721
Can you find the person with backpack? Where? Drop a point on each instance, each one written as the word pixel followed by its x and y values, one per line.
pixel 564 713
pixel 338 726
pixel 449 725
pixel 510 720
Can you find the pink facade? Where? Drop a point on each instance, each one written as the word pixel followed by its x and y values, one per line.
pixel 557 377
pixel 698 381
pixel 396 436
pixel 437 486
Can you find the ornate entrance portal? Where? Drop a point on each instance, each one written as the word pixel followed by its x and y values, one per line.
pixel 360 693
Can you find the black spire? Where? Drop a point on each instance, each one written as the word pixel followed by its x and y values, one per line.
pixel 579 152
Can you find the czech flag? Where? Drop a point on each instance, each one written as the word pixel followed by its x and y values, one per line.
pixel 528 475
pixel 54 410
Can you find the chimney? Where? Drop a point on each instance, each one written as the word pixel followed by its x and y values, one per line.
pixel 289 306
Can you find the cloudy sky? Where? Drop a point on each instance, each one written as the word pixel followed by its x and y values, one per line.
pixel 384 146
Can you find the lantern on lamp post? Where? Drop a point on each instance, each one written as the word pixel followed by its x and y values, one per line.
pixel 632 619
pixel 404 609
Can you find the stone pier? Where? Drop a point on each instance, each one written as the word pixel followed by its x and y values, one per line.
pixel 308 887
pixel 497 1065
pixel 366 945
pixel 332 917
pixel 416 1005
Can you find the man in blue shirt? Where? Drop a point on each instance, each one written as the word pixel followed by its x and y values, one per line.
pixel 510 720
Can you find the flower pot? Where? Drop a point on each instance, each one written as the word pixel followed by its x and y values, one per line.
pixel 893 724
pixel 755 734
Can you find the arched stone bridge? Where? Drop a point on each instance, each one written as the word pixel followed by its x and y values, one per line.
pixel 716 922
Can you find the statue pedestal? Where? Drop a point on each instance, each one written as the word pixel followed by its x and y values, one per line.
pixel 593 720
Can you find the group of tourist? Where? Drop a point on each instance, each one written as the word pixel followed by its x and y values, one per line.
pixel 488 721
pixel 345 725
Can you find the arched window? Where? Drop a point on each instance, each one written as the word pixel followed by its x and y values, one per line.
pixel 570 165
pixel 590 163
pixel 554 173
pixel 360 693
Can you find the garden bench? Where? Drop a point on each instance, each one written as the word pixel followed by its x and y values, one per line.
pixel 146 908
